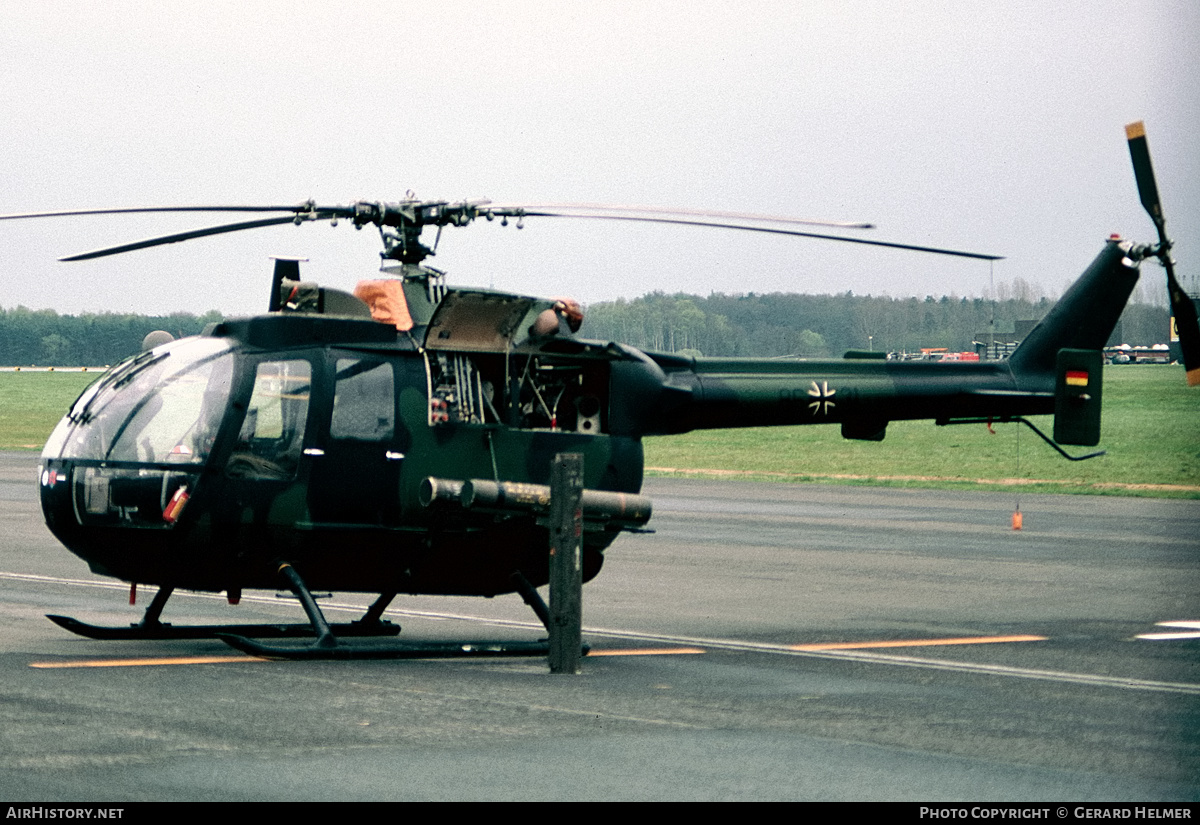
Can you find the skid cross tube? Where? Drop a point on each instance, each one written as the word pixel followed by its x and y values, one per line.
pixel 327 646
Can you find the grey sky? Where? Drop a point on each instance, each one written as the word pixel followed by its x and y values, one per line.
pixel 995 127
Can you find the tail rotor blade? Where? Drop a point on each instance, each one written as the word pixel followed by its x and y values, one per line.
pixel 1186 324
pixel 1182 308
pixel 1139 151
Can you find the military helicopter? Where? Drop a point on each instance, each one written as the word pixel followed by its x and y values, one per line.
pixel 398 440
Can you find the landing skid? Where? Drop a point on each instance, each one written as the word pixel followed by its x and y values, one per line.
pixel 327 645
pixel 168 631
pixel 151 628
pixel 325 637
pixel 397 650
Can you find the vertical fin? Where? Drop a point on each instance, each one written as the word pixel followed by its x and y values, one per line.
pixel 1085 316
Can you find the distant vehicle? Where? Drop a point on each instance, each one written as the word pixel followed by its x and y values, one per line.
pixel 953 356
pixel 1125 354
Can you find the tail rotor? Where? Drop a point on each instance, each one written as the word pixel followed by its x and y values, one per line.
pixel 1182 308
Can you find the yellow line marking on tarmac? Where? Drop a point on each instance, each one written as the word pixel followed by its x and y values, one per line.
pixel 646 651
pixel 167 660
pixel 965 640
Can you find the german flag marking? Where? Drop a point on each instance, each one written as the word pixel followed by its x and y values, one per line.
pixel 1077 378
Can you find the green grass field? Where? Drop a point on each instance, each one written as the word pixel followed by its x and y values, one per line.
pixel 31 403
pixel 1150 431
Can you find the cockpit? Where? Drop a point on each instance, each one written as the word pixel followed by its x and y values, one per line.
pixel 223 413
pixel 161 407
pixel 138 438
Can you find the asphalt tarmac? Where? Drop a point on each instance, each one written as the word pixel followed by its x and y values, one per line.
pixel 769 641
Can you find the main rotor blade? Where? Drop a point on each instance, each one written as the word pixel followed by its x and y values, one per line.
pixel 381 213
pixel 63 213
pixel 580 210
pixel 1182 308
pixel 767 229
pixel 187 236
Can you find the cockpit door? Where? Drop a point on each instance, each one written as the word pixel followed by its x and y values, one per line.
pixel 355 467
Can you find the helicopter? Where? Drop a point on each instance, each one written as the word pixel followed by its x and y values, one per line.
pixel 399 439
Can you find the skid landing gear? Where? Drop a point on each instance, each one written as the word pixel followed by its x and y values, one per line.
pixel 328 646
pixel 150 627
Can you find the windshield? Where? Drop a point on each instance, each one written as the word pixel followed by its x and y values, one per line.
pixel 162 406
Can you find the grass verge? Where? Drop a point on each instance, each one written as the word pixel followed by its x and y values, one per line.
pixel 31 403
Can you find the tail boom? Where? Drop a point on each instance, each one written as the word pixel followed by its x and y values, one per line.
pixel 677 394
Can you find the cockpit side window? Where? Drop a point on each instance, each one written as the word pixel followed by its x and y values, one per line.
pixel 364 401
pixel 271 439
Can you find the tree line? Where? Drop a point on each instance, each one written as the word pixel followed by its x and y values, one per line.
pixel 45 338
pixel 813 326
pixel 748 325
